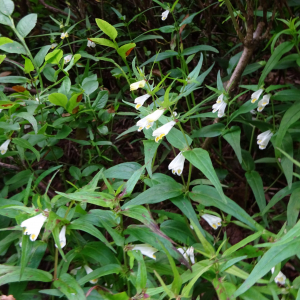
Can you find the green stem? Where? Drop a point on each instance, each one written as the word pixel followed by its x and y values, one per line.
pixel 55 264
pixel 189 178
pixel 180 127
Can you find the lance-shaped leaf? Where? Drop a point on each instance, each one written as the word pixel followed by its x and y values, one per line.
pixel 104 42
pixel 107 28
pixel 125 50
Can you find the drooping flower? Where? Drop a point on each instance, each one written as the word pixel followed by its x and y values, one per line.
pixel 139 84
pixel 4 147
pixel 146 250
pixel 263 139
pixel 164 15
pixel 91 44
pixel 34 225
pixel 53 45
pixel 213 221
pixel 263 102
pixel 67 58
pixel 148 121
pixel 88 271
pixel 62 237
pixel 188 253
pixel 220 108
pixel 160 132
pixel 141 100
pixel 280 278
pixel 255 96
pixel 177 164
pixel 220 99
pixel 64 35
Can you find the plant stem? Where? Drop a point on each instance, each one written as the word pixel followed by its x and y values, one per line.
pixel 180 127
pixel 55 264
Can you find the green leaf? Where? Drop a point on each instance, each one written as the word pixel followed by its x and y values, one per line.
pixel 58 99
pixel 69 287
pixel 293 208
pixel 5 40
pixel 131 183
pixel 8 127
pixel 167 28
pixel 54 57
pixel 2 57
pixel 233 137
pixel 274 59
pixel 176 139
pixel 122 50
pixel 256 184
pixel 13 47
pixel 122 171
pixel 146 37
pixel 287 95
pixel 7 7
pixel 90 86
pixel 150 148
pixel 40 56
pixel 195 49
pixel 201 160
pixel 25 144
pixel 271 258
pixel 14 79
pixel 107 28
pixel 30 118
pixel 209 131
pixel 156 194
pixel 5 20
pixel 160 56
pixel 286 163
pixel 26 24
pixel 28 67
pixel 101 100
pixel 104 42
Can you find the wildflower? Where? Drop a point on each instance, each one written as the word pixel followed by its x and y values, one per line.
pixel 174 114
pixel 177 164
pixel 219 107
pixel 64 35
pixel 138 84
pixel 263 102
pixel 146 250
pixel 27 126
pixel 37 99
pixel 148 121
pixel 62 237
pixel 160 132
pixel 91 44
pixel 74 271
pixel 164 15
pixel 213 221
pixel 255 96
pixel 141 100
pixel 220 99
pixel 263 139
pixel 188 253
pixel 53 45
pixel 88 271
pixel 280 278
pixel 68 58
pixel 34 225
pixel 4 146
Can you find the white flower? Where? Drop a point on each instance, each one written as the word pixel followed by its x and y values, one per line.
pixel 34 225
pixel 164 15
pixel 220 108
pixel 255 96
pixel 280 278
pixel 263 139
pixel 138 84
pixel 91 44
pixel 53 45
pixel 263 102
pixel 141 100
pixel 188 253
pixel 220 99
pixel 74 271
pixel 88 271
pixel 174 114
pixel 1 110
pixel 64 35
pixel 37 99
pixel 160 132
pixel 146 249
pixel 27 126
pixel 177 164
pixel 68 58
pixel 4 146
pixel 148 121
pixel 213 221
pixel 62 237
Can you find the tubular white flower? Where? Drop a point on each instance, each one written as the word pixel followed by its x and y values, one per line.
pixel 64 35
pixel 148 121
pixel 139 84
pixel 141 100
pixel 220 99
pixel 280 278
pixel 160 132
pixel 91 44
pixel 53 45
pixel 213 221
pixel 263 102
pixel 177 164
pixel 88 271
pixel 164 15
pixel 220 108
pixel 263 139
pixel 33 226
pixel 68 58
pixel 146 250
pixel 255 96
pixel 62 237
pixel 4 147
pixel 188 253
